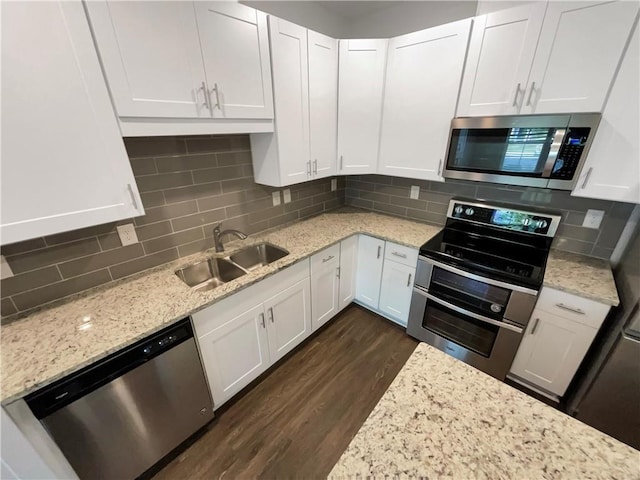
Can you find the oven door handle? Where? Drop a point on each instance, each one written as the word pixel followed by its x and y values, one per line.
pixel 473 276
pixel 455 308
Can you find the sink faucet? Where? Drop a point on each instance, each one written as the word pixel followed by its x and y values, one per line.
pixel 217 235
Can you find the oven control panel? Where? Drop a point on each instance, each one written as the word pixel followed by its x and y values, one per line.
pixel 507 218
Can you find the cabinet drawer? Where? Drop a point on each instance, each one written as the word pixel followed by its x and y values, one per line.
pixel 399 253
pixel 565 305
pixel 327 256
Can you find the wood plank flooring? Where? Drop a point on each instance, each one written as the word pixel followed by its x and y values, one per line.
pixel 297 421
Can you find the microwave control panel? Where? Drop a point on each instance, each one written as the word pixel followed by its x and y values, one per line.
pixel 570 152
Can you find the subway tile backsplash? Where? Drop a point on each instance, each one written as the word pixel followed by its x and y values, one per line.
pixel 187 184
pixel 391 195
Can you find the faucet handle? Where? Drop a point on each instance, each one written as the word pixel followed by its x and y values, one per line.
pixel 217 226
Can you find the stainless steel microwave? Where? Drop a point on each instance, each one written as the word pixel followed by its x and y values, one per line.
pixel 531 150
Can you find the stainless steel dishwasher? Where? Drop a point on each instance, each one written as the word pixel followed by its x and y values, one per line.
pixel 119 416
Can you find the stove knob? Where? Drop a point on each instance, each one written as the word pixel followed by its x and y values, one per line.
pixel 541 224
pixel 526 222
pixel 469 211
pixel 458 209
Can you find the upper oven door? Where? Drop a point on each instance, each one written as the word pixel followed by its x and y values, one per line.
pixel 518 150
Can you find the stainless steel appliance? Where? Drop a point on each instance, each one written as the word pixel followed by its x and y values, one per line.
pixel 532 150
pixel 477 282
pixel 118 417
pixel 606 391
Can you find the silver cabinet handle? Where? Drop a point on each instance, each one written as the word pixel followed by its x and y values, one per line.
pixel 535 326
pixel 515 98
pixel 379 249
pixel 270 311
pixel 338 272
pixel 262 320
pixel 315 166
pixel 533 87
pixel 440 167
pixel 409 280
pixel 133 196
pixel 207 99
pixel 571 309
pixel 215 89
pixel 328 258
pixel 586 178
pixel 309 168
pixel 341 163
pixel 398 254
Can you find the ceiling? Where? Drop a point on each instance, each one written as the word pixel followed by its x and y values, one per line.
pixel 352 10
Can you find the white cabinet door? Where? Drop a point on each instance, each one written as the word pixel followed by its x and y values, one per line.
pixel 579 50
pixel 423 80
pixel 235 50
pixel 291 99
pixel 499 60
pixel 348 265
pixel 360 92
pixel 64 165
pixel 288 319
pixel 551 351
pixel 151 56
pixel 612 169
pixel 235 352
pixel 325 286
pixel 323 103
pixel 395 290
pixel 369 270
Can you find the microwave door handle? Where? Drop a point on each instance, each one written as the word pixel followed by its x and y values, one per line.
pixel 467 313
pixel 558 138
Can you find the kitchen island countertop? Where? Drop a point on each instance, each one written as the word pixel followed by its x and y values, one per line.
pixel 443 418
pixel 56 341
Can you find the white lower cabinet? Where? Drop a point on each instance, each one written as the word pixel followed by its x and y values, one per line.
pixel 369 270
pixel 243 335
pixel 325 285
pixel 561 330
pixel 348 266
pixel 395 290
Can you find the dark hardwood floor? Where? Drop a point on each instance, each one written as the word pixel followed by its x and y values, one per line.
pixel 301 416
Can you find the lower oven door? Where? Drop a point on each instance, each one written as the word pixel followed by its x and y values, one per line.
pixel 487 344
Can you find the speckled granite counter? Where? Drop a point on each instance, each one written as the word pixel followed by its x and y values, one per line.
pixel 54 342
pixel 443 418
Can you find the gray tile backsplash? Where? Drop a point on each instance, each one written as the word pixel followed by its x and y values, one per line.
pixel 187 184
pixel 391 195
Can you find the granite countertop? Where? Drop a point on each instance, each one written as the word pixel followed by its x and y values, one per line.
pixel 53 342
pixel 443 418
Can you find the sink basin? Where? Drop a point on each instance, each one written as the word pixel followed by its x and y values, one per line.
pixel 209 274
pixel 257 256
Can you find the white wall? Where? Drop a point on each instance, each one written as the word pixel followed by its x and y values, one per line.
pixel 406 17
pixel 307 14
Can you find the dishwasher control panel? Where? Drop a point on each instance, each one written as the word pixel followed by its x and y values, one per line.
pixel 160 344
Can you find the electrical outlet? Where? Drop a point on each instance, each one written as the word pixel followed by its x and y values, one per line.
pixel 286 195
pixel 127 234
pixel 593 218
pixel 276 198
pixel 5 269
pixel 334 184
pixel 415 192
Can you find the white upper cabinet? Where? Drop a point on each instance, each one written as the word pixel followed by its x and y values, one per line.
pixel 323 103
pixel 305 83
pixel 555 57
pixel 64 165
pixel 423 78
pixel 185 67
pixel 499 60
pixel 151 55
pixel 360 93
pixel 234 40
pixel 612 169
pixel 580 47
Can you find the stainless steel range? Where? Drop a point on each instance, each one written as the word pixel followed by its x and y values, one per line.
pixel 477 282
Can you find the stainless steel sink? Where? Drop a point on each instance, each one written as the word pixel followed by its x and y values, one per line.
pixel 209 274
pixel 258 255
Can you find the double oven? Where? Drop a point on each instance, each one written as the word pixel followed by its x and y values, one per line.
pixel 477 282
